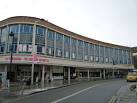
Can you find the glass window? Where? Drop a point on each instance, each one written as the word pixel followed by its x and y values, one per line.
pixel 40 35
pixel 106 60
pixel 50 51
pixel 39 49
pixel 73 55
pixel 73 48
pixel 66 54
pixel 85 48
pixel 80 56
pixel 58 52
pixel 2 48
pixel 91 58
pixel 73 41
pixel 102 51
pixel 23 48
pixel 66 47
pixel 59 37
pixel 96 50
pixel 40 40
pixel 80 43
pixel 59 41
pixel 91 49
pixel 85 51
pixel 97 59
pixel 116 56
pixel 14 28
pixel 25 39
pixel 50 35
pixel 26 29
pixel 66 40
pixel 40 30
pixel 29 48
pixel 12 48
pixel 129 57
pixel 80 50
pixel 86 57
pixel 101 59
pixel 4 34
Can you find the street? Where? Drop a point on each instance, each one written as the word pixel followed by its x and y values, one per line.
pixel 89 92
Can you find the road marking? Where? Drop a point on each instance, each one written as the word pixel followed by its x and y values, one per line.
pixel 113 99
pixel 76 93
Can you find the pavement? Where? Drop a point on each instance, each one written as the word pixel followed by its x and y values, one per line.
pixel 127 94
pixel 47 87
pixel 6 95
pixel 124 94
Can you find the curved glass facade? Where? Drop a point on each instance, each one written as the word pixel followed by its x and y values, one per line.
pixel 51 43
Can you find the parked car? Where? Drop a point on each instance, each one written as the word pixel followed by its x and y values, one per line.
pixel 132 76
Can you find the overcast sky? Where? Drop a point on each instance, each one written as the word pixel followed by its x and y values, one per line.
pixel 112 21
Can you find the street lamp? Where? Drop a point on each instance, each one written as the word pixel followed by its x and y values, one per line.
pixel 113 73
pixel 11 34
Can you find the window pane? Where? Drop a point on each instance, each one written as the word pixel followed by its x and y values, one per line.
pixel 14 28
pixel 58 52
pixel 4 34
pixel 40 30
pixel 26 29
pixel 39 49
pixel 59 37
pixel 50 35
pixel 50 51
pixel 66 40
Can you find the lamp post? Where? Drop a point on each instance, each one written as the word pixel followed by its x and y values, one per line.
pixel 11 34
pixel 113 72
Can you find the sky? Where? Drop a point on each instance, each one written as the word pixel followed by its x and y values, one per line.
pixel 111 21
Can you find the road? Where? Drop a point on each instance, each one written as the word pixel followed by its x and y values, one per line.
pixel 86 92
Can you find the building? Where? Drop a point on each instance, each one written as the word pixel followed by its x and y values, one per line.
pixel 134 50
pixel 45 50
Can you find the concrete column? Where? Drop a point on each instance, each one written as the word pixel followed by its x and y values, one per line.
pixel 113 71
pixel 33 50
pixel 118 73
pixel 50 74
pixel 104 74
pixel 100 74
pixel 77 71
pixel 39 72
pixel 88 75
pixel 64 70
pixel 68 75
pixel 43 76
pixel 5 70
pixel 32 73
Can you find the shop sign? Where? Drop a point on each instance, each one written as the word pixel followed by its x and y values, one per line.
pixel 25 59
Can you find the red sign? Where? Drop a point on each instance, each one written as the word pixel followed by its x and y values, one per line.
pixel 29 59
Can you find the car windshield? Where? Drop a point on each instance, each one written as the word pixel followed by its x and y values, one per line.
pixel 132 73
